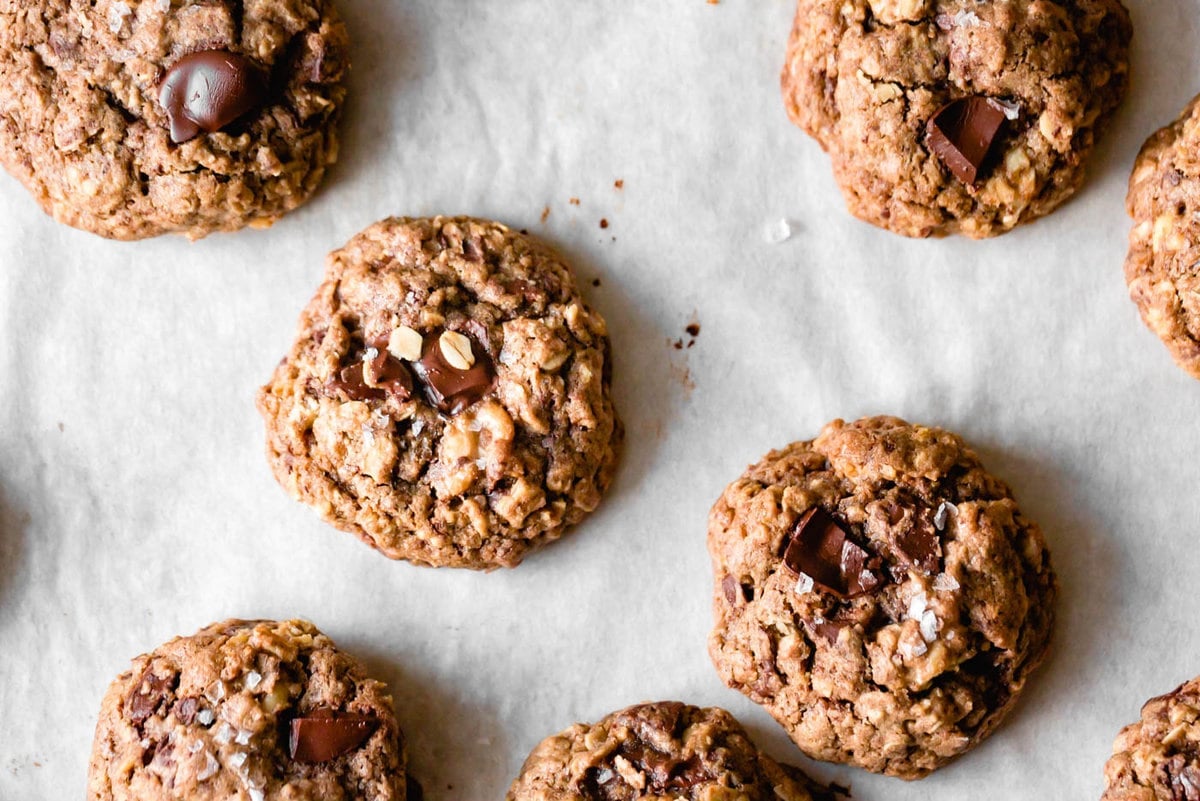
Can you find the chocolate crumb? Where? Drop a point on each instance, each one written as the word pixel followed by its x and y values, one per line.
pixel 603 222
pixel 595 282
pixel 574 201
pixel 619 183
pixel 693 329
pixel 545 213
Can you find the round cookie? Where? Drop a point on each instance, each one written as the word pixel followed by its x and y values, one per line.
pixel 879 593
pixel 1162 267
pixel 1157 758
pixel 252 710
pixel 134 118
pixel 658 751
pixel 956 116
pixel 448 396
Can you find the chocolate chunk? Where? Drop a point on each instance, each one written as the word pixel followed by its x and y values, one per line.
pixel 185 710
pixel 820 548
pixel 448 388
pixel 324 735
pixel 962 132
pixel 473 249
pixel 145 698
pixel 373 375
pixel 207 90
pixel 729 585
pixel 1180 778
pixel 910 533
pixel 827 630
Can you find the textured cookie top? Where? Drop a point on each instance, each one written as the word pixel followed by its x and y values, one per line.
pixel 866 77
pixel 1163 264
pixel 447 398
pixel 250 710
pixel 1158 758
pixel 94 96
pixel 879 593
pixel 665 750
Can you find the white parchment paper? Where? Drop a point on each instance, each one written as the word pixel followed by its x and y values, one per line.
pixel 135 502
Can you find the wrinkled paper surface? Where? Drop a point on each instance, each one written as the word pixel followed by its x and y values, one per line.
pixel 135 502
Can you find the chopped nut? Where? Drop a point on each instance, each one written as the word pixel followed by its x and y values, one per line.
pixel 405 343
pixel 456 350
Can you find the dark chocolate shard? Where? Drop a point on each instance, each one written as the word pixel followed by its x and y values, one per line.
pixel 1180 776
pixel 820 549
pixel 962 132
pixel 373 374
pixel 185 710
pixel 447 387
pixel 208 90
pixel 146 696
pixel 324 735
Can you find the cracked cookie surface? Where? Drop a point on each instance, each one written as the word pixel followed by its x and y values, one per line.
pixel 664 750
pixel 864 78
pixel 448 396
pixel 254 710
pixel 84 128
pixel 1162 267
pixel 893 627
pixel 1158 758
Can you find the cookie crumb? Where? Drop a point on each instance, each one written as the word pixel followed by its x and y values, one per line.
pixel 545 213
pixel 777 231
pixel 603 222
pixel 619 183
pixel 595 282
pixel 574 201
pixel 693 329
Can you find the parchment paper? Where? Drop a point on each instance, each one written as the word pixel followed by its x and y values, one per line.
pixel 135 502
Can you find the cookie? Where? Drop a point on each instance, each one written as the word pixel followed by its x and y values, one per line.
pixel 1157 758
pixel 879 593
pixel 250 710
pixel 658 751
pixel 956 116
pixel 447 398
pixel 1162 267
pixel 134 118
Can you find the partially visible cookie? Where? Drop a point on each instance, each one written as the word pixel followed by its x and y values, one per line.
pixel 133 118
pixel 879 593
pixel 665 750
pixel 1162 267
pixel 956 116
pixel 448 396
pixel 251 710
pixel 1158 758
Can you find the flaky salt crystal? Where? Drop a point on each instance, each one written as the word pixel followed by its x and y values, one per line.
pixel 944 510
pixel 804 584
pixel 777 231
pixel 256 794
pixel 205 716
pixel 163 5
pixel 945 582
pixel 916 606
pixel 243 736
pixel 195 747
pixel 253 679
pixel 117 13
pixel 210 768
pixel 238 759
pixel 929 626
pixel 1011 108
pixel 224 734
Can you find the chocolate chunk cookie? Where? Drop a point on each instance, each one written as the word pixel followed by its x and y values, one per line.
pixel 1162 268
pixel 956 116
pixel 1158 758
pixel 879 593
pixel 133 118
pixel 448 396
pixel 249 710
pixel 658 751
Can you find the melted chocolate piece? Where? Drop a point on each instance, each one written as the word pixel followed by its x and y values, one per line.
pixel 1180 778
pixel 324 735
pixel 145 698
pixel 207 90
pixel 365 379
pixel 449 389
pixel 734 591
pixel 820 548
pixel 185 710
pixel 961 134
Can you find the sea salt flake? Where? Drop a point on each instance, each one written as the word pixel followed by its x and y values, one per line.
pixel 210 768
pixel 943 512
pixel 117 13
pixel 917 606
pixel 604 776
pixel 238 759
pixel 243 736
pixel 253 679
pixel 163 5
pixel 256 794
pixel 1011 108
pixel 910 650
pixel 205 716
pixel 944 582
pixel 224 734
pixel 929 625
pixel 804 584
pixel 195 747
pixel 777 231
pixel 966 19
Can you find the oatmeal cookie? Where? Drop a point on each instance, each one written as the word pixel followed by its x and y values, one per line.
pixel 1162 268
pixel 879 593
pixel 956 116
pixel 658 751
pixel 1158 758
pixel 448 396
pixel 133 118
pixel 259 710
